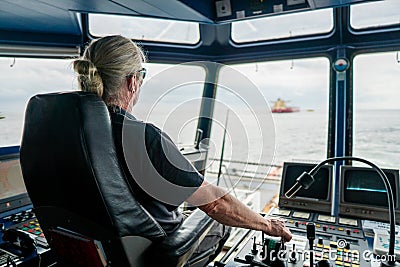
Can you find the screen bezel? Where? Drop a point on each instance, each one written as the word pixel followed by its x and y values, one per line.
pixel 16 201
pixel 346 168
pixel 302 203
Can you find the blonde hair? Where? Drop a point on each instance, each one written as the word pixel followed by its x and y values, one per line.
pixel 105 65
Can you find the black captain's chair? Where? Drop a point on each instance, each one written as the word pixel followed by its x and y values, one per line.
pixel 80 194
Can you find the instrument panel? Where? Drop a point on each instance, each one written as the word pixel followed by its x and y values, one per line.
pixel 339 244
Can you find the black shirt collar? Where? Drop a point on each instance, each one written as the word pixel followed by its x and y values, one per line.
pixel 118 110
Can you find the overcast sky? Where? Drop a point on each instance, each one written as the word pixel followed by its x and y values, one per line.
pixel 304 82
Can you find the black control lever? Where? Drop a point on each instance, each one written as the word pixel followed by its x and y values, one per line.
pixel 311 238
pixel 323 263
pixel 277 262
pixel 254 250
pixel 293 255
pixel 250 260
pixel 263 247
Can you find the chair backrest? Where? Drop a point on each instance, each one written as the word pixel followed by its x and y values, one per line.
pixel 73 176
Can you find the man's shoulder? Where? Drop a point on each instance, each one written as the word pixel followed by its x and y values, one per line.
pixel 132 124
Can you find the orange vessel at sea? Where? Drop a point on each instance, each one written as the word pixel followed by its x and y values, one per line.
pixel 280 107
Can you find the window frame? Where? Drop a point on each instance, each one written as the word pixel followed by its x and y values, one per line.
pixel 330 109
pixel 369 29
pixel 186 64
pixel 42 56
pixel 353 56
pixel 144 41
pixel 300 38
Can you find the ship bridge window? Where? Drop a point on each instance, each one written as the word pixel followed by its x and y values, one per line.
pixel 22 79
pixel 385 13
pixel 145 29
pixel 170 98
pixel 256 138
pixel 283 26
pixel 376 123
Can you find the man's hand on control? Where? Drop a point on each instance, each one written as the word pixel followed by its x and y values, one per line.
pixel 278 228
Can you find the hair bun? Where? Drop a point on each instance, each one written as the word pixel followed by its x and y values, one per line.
pixel 89 77
pixel 84 67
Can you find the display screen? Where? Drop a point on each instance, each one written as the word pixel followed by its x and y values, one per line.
pixel 282 212
pixel 320 189
pixel 11 181
pixel 347 221
pixel 301 215
pixel 365 186
pixel 325 218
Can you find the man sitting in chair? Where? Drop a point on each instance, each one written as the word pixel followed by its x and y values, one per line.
pixel 112 68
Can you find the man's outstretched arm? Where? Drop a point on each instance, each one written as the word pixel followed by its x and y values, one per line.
pixel 228 210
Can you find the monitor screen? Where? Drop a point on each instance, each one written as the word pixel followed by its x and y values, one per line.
pixel 365 186
pixel 11 181
pixel 320 189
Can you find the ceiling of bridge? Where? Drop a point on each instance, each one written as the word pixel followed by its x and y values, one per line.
pixel 58 20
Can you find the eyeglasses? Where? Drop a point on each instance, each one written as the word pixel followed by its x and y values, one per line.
pixel 142 72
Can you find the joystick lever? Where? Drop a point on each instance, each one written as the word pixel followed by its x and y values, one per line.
pixel 276 261
pixel 323 263
pixel 292 255
pixel 311 238
pixel 270 251
pixel 254 249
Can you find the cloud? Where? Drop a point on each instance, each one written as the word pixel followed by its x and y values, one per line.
pixel 283 26
pixel 32 76
pixel 305 81
pixel 140 28
pixel 376 81
pixel 385 13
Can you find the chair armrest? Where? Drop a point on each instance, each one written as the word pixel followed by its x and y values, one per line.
pixel 177 248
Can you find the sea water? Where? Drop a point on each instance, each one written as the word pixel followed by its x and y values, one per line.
pixel 298 136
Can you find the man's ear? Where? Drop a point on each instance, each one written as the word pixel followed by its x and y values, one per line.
pixel 131 83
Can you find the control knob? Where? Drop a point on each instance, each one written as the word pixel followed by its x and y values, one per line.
pixel 323 263
pixel 293 255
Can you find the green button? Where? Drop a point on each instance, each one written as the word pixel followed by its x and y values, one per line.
pixel 25 228
pixel 37 233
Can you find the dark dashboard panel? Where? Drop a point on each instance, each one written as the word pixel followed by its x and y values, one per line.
pixel 221 11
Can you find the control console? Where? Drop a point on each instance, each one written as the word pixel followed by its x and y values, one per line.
pixel 335 244
pixel 25 220
pixel 18 224
pixel 318 238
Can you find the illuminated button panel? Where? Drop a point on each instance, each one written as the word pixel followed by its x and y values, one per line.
pixel 27 222
pixel 32 227
pixel 20 216
pixel 325 224
pixel 341 256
